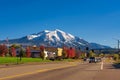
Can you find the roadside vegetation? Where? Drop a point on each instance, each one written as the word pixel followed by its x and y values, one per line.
pixel 16 60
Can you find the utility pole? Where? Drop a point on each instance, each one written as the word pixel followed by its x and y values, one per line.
pixel 118 43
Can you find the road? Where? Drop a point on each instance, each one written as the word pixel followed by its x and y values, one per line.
pixel 72 71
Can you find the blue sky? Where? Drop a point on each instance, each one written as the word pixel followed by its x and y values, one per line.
pixel 93 20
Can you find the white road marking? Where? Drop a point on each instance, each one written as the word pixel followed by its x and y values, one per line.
pixel 101 65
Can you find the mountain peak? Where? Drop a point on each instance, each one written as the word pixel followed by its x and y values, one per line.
pixel 58 30
pixel 46 31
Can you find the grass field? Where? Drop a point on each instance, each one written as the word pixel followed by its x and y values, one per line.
pixel 16 60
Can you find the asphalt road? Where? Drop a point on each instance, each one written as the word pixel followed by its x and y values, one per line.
pixel 76 72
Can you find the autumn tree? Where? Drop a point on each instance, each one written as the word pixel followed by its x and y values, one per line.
pixel 13 51
pixel 3 50
pixel 42 54
pixel 64 53
pixel 116 57
pixel 16 46
pixel 101 55
pixel 92 54
pixel 71 53
pixel 28 53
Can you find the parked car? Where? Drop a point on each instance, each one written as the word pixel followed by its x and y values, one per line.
pixel 92 60
pixel 98 60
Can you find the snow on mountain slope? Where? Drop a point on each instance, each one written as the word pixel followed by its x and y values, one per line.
pixel 32 36
pixel 53 36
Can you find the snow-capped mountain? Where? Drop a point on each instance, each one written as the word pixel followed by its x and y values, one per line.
pixel 56 38
pixel 52 36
